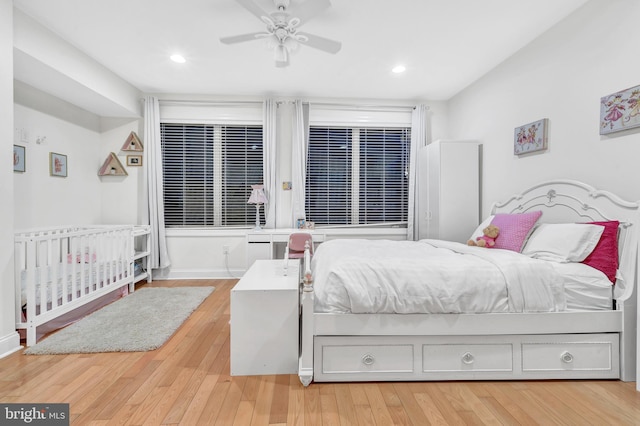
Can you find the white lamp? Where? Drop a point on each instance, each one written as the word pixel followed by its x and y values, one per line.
pixel 257 197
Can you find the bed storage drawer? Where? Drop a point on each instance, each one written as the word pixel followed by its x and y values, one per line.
pixel 466 357
pixel 367 358
pixel 571 355
pixel 343 358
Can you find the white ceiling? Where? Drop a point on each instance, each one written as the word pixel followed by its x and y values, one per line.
pixel 445 44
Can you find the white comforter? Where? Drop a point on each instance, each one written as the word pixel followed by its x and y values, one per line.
pixel 430 276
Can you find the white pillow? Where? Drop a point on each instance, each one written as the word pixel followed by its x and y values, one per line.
pixel 478 232
pixel 563 242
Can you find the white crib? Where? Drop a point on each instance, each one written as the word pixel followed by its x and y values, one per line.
pixel 59 270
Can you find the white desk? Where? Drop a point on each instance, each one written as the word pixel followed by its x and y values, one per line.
pixel 270 243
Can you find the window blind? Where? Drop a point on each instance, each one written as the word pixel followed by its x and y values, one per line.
pixel 384 175
pixel 208 170
pixel 357 175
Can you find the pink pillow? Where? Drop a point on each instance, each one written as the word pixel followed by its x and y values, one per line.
pixel 604 256
pixel 514 229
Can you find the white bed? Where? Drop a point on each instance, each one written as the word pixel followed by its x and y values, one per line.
pixel 564 321
pixel 64 273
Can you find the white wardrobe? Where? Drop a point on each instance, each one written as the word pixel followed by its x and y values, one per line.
pixel 449 187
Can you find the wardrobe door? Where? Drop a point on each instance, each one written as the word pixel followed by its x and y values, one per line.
pixel 453 189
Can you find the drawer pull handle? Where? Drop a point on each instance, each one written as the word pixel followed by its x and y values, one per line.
pixel 368 359
pixel 566 357
pixel 467 358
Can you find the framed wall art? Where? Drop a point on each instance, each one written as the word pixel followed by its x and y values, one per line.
pixel 530 137
pixel 620 111
pixel 19 164
pixel 57 164
pixel 134 160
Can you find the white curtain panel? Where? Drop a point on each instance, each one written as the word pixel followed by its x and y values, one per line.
pixel 154 214
pixel 418 140
pixel 300 134
pixel 269 122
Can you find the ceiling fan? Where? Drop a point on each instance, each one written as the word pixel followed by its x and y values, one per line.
pixel 282 32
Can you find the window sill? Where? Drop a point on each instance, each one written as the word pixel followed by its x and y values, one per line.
pixel 242 232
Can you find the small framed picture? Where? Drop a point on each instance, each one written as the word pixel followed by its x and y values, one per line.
pixel 134 160
pixel 530 137
pixel 301 224
pixel 19 158
pixel 57 164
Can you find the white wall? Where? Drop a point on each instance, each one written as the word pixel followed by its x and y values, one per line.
pixel 9 339
pixel 560 76
pixel 121 196
pixel 42 200
pixel 82 198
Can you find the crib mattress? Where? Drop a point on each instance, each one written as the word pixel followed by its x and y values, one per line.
pixel 87 277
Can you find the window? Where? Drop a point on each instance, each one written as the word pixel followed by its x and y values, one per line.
pixel 357 175
pixel 208 170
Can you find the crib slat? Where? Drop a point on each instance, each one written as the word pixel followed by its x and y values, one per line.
pixel 70 279
pixel 54 249
pixel 91 250
pixel 64 244
pixel 81 265
pixel 44 278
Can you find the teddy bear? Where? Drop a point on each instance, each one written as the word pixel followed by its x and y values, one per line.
pixel 488 239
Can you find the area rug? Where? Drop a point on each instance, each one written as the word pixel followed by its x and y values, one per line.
pixel 142 321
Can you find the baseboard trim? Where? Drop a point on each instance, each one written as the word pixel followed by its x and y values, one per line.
pixel 197 274
pixel 9 344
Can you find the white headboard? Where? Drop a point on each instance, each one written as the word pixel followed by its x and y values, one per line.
pixel 567 201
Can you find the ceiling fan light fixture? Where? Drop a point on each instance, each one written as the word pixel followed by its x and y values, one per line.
pixel 281 56
pixel 399 69
pixel 291 44
pixel 272 42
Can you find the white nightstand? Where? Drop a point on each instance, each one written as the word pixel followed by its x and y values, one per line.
pixel 264 320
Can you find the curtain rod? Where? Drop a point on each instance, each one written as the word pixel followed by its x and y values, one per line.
pixel 363 106
pixel 357 106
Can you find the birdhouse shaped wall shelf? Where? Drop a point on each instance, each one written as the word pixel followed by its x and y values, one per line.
pixel 112 167
pixel 133 143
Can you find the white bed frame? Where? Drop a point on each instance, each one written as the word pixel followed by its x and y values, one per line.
pixel 90 263
pixel 500 346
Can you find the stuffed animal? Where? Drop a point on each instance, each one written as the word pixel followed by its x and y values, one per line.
pixel 488 239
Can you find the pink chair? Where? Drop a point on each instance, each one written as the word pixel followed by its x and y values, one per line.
pixel 295 247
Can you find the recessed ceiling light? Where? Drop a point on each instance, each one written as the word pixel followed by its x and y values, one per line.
pixel 399 69
pixel 178 58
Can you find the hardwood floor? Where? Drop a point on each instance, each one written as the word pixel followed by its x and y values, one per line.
pixel 187 382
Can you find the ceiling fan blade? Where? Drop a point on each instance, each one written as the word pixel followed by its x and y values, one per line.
pixel 252 7
pixel 321 43
pixel 244 37
pixel 309 9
